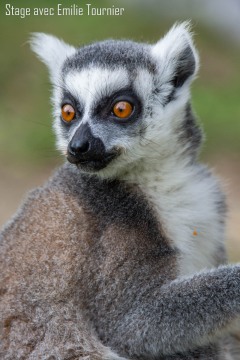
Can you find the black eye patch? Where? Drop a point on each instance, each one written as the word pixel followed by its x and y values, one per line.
pixel 68 98
pixel 103 110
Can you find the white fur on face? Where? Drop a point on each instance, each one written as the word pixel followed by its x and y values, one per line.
pixel 90 85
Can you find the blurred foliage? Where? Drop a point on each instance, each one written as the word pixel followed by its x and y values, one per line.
pixel 25 110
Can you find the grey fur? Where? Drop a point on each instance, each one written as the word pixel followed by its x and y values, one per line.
pixel 110 271
pixel 110 54
pixel 89 269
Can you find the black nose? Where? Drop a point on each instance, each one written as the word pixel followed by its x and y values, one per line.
pixel 84 147
pixel 78 146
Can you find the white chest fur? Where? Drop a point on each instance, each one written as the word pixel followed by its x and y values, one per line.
pixel 187 205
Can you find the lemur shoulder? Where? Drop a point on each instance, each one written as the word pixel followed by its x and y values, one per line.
pixel 120 255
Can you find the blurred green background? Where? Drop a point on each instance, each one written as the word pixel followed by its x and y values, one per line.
pixel 27 152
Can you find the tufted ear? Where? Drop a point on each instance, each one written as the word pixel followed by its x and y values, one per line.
pixel 52 51
pixel 176 55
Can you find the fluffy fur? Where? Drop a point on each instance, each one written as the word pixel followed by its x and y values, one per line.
pixel 121 258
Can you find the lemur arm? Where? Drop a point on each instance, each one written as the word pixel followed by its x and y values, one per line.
pixel 182 314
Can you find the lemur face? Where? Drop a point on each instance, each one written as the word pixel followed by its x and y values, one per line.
pixel 115 100
pixel 107 113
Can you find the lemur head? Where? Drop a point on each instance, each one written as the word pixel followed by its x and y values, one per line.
pixel 118 104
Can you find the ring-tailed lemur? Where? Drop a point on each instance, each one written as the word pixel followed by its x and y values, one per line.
pixel 121 248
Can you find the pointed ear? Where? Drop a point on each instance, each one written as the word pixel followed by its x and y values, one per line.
pixel 52 51
pixel 176 55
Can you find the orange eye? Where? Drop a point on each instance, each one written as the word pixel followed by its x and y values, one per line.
pixel 122 109
pixel 68 112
